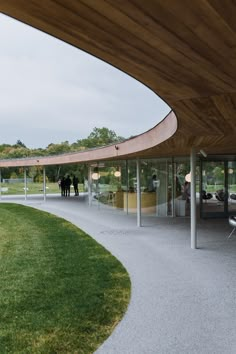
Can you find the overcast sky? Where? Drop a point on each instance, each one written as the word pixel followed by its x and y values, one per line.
pixel 52 92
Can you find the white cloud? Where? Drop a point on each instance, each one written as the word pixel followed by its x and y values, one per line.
pixel 52 92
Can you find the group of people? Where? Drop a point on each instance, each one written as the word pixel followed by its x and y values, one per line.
pixel 65 185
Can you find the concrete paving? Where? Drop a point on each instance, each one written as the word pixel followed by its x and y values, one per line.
pixel 183 300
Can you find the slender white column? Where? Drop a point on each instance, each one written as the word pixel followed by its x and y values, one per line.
pixel 44 184
pixel 127 187
pixel 89 186
pixel 0 184
pixel 138 193
pixel 162 191
pixel 25 182
pixel 173 187
pixel 193 199
pixel 97 193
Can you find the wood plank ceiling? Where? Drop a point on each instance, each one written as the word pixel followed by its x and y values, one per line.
pixel 185 51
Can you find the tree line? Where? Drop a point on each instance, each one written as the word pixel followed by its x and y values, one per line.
pixel 97 138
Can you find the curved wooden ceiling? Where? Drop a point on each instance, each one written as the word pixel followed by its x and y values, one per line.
pixel 185 51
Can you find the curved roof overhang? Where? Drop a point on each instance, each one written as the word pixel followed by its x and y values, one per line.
pixel 182 50
pixel 140 145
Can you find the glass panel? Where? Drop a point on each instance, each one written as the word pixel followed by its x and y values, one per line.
pixel 182 187
pixel 232 187
pixel 35 180
pixel 130 193
pixel 156 187
pixel 170 209
pixel 56 176
pixel 109 183
pixel 213 191
pixel 150 183
pixel 162 188
pixel 13 181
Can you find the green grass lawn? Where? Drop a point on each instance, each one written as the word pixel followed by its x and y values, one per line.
pixel 60 291
pixel 33 188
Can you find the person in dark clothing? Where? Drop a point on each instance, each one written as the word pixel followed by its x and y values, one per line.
pixel 75 184
pixel 152 184
pixel 63 186
pixel 187 191
pixel 67 186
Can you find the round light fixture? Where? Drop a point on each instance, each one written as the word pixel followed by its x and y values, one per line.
pixel 95 176
pixel 188 177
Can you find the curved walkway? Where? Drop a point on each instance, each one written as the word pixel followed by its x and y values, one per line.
pixel 183 300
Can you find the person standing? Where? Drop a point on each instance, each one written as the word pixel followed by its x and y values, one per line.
pixel 75 184
pixel 63 186
pixel 186 193
pixel 152 184
pixel 67 186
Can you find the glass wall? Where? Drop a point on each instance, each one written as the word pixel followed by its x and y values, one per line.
pixel 213 188
pixel 108 182
pixel 182 180
pixel 112 185
pixel 13 181
pixel 218 188
pixel 164 189
pixel 232 187
pixel 156 187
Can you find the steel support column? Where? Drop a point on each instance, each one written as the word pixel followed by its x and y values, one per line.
pixel 193 211
pixel 0 184
pixel 44 184
pixel 127 186
pixel 89 186
pixel 138 193
pixel 25 182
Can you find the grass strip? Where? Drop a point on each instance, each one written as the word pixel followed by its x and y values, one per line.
pixel 60 291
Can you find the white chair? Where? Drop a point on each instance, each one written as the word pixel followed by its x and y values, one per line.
pixel 232 222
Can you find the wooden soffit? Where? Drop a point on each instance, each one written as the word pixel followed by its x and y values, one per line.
pixel 185 51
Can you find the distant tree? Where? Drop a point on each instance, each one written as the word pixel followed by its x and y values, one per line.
pixel 14 152
pixel 56 149
pixel 100 137
pixel 4 146
pixel 20 144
